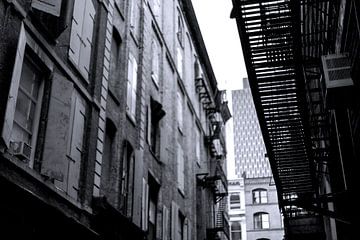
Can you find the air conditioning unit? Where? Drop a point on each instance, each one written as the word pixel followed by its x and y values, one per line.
pixel 21 150
pixel 338 81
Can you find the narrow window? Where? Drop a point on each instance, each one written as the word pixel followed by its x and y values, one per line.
pixel 235 231
pixel 127 179
pixel 235 201
pixel 261 220
pixel 131 87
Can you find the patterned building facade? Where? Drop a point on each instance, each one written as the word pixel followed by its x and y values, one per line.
pixel 111 122
pixel 250 152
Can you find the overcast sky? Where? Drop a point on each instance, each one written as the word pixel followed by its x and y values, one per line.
pixel 222 41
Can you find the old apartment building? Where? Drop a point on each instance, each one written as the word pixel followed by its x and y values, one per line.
pixel 111 122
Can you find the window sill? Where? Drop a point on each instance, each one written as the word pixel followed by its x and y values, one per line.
pixel 113 96
pixel 181 192
pixel 154 155
pixel 155 81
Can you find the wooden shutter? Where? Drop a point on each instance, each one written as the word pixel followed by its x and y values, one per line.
pixel 76 147
pixel 189 237
pixel 149 125
pixel 180 109
pixel 180 169
pixel 76 30
pixel 134 87
pixel 145 204
pixel 179 59
pixel 129 83
pixel 174 219
pixel 165 223
pixel 185 229
pixel 86 43
pixel 54 163
pixel 14 86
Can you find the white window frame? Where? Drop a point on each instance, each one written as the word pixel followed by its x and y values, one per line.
pixel 25 40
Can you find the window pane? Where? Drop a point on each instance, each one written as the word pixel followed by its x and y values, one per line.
pixel 22 109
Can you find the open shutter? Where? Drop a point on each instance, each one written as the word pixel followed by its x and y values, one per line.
pixel 86 43
pixel 180 172
pixel 134 88
pixel 14 86
pixel 179 59
pixel 180 109
pixel 54 164
pixel 186 229
pixel 145 204
pixel 129 83
pixel 174 219
pixel 76 147
pixel 76 30
pixel 165 223
pixel 149 123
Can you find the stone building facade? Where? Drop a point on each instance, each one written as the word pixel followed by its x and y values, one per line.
pixel 111 122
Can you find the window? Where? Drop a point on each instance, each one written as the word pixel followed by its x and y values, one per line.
pixel 134 17
pixel 235 231
pixel 127 179
pixel 235 201
pixel 131 87
pixel 259 196
pixel 155 64
pixel 27 110
pixel 155 114
pixel 114 60
pixel 23 107
pixel 180 225
pixel 110 132
pixel 261 220
pixel 81 35
pixel 153 200
pixel 180 168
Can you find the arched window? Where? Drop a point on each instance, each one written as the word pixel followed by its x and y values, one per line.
pixel 127 179
pixel 259 196
pixel 235 231
pixel 261 220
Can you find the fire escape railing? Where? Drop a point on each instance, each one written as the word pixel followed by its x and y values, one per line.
pixel 220 224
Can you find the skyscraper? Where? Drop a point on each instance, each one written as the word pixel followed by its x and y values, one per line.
pixel 249 146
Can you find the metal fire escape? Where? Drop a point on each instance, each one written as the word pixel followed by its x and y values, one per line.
pixel 283 41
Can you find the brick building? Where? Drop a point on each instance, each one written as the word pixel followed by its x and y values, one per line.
pixel 111 122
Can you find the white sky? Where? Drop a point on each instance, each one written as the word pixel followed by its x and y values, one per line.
pixel 223 45
pixel 222 41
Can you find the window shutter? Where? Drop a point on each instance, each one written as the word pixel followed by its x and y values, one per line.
pixel 145 204
pixel 14 86
pixel 129 83
pixel 76 147
pixel 186 229
pixel 174 220
pixel 76 31
pixel 134 87
pixel 149 125
pixel 54 164
pixel 179 58
pixel 180 161
pixel 180 110
pixel 86 43
pixel 165 223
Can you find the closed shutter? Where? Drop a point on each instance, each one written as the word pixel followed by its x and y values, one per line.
pixel 81 35
pixel 174 220
pixel 14 86
pixel 76 147
pixel 76 30
pixel 54 164
pixel 145 204
pixel 180 161
pixel 86 43
pixel 188 230
pixel 165 223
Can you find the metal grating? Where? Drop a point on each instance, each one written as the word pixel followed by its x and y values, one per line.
pixel 269 32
